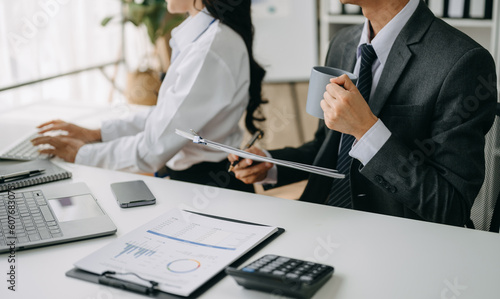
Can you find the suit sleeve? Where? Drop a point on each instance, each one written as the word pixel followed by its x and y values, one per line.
pixel 441 178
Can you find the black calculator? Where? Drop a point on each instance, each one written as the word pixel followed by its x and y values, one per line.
pixel 281 275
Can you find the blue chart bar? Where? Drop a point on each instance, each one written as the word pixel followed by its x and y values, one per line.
pixel 139 251
pixel 187 241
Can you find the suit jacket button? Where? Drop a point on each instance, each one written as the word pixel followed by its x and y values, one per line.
pixel 393 189
pixel 379 179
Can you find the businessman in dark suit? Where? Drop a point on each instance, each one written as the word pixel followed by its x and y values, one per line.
pixel 419 127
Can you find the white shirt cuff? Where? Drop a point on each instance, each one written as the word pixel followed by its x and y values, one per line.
pixel 107 130
pixel 84 155
pixel 272 174
pixel 365 148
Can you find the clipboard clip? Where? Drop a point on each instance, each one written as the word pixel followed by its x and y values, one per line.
pixel 197 138
pixel 107 279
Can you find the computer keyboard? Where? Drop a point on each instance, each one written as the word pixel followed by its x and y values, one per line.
pixel 34 220
pixel 25 150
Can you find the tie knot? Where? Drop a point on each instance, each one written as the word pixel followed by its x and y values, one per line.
pixel 368 54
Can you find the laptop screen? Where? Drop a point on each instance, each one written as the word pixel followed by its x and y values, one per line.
pixel 75 207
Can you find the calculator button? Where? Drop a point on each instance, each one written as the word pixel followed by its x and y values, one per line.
pixel 292 276
pixel 278 272
pixel 248 269
pixel 269 257
pixel 283 259
pixel 306 278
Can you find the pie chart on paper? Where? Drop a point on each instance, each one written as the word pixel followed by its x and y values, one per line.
pixel 183 266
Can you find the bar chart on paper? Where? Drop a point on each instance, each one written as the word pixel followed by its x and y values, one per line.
pixel 179 250
pixel 137 250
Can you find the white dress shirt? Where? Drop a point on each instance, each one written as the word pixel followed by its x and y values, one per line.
pixel 372 141
pixel 205 89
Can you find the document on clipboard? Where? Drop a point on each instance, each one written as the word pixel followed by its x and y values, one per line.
pixel 243 154
pixel 175 253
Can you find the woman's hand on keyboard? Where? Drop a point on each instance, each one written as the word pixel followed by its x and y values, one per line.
pixel 74 131
pixel 63 147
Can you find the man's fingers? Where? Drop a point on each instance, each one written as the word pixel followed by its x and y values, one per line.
pixel 255 170
pixel 255 150
pixel 248 162
pixel 325 106
pixel 344 81
pixel 329 99
pixel 336 91
pixel 243 163
pixel 232 158
pixel 252 174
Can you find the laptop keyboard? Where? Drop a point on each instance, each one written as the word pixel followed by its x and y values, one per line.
pixel 34 220
pixel 25 150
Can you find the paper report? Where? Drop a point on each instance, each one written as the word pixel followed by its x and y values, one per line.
pixel 180 250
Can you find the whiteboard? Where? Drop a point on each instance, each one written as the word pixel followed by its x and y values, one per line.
pixel 286 38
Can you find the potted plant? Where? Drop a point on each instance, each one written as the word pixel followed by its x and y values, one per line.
pixel 143 85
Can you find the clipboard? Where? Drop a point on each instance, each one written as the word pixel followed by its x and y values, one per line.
pixel 103 279
pixel 243 154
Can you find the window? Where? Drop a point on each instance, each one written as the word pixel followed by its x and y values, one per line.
pixel 40 39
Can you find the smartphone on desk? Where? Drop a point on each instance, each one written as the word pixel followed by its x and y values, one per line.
pixel 132 194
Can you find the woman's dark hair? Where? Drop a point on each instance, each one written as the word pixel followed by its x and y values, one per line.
pixel 236 15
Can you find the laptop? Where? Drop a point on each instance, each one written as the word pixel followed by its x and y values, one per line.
pixel 47 215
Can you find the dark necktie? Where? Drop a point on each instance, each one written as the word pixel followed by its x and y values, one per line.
pixel 340 193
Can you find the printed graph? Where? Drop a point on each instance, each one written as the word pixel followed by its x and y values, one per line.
pixel 136 250
pixel 200 234
pixel 183 265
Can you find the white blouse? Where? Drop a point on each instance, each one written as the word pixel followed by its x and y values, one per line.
pixel 205 89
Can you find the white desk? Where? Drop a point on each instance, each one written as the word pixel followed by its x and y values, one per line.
pixel 374 256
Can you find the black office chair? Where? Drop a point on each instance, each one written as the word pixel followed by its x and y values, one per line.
pixel 494 225
pixel 495 218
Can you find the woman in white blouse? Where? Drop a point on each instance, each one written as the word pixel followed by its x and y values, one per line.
pixel 211 81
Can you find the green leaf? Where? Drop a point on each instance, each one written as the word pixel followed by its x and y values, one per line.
pixel 151 13
pixel 106 20
pixel 153 21
pixel 136 13
pixel 173 20
pixel 151 29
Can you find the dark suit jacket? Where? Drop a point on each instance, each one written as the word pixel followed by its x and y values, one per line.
pixel 437 96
